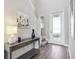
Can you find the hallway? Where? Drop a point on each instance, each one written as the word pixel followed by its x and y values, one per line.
pixel 53 52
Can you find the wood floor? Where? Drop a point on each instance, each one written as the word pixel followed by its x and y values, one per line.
pixel 53 52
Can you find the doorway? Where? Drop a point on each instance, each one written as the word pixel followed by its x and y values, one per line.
pixel 56 28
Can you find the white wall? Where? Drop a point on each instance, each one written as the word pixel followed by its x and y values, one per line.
pixel 9 17
pixel 26 6
pixel 44 7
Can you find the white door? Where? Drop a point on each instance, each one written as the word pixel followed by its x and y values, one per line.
pixel 56 28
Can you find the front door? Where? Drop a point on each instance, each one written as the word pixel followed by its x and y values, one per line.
pixel 56 28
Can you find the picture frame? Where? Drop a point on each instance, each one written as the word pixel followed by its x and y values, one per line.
pixel 22 20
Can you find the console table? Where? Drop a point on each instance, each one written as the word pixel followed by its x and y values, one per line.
pixel 25 42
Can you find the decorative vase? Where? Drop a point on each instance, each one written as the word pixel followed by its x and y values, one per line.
pixel 33 34
pixel 19 39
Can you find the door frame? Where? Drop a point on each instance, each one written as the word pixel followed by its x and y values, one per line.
pixel 61 13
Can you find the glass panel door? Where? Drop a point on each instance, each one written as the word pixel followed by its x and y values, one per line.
pixel 57 28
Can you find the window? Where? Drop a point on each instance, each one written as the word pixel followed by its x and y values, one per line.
pixel 56 26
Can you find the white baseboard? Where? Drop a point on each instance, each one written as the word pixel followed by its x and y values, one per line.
pixel 63 44
pixel 69 52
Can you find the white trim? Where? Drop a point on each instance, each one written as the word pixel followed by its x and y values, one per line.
pixel 63 44
pixel 30 1
pixel 70 38
pixel 69 52
pixel 56 11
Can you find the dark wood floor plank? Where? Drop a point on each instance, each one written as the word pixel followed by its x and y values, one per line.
pixel 53 52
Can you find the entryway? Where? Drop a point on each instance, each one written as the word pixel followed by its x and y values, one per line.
pixel 56 28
